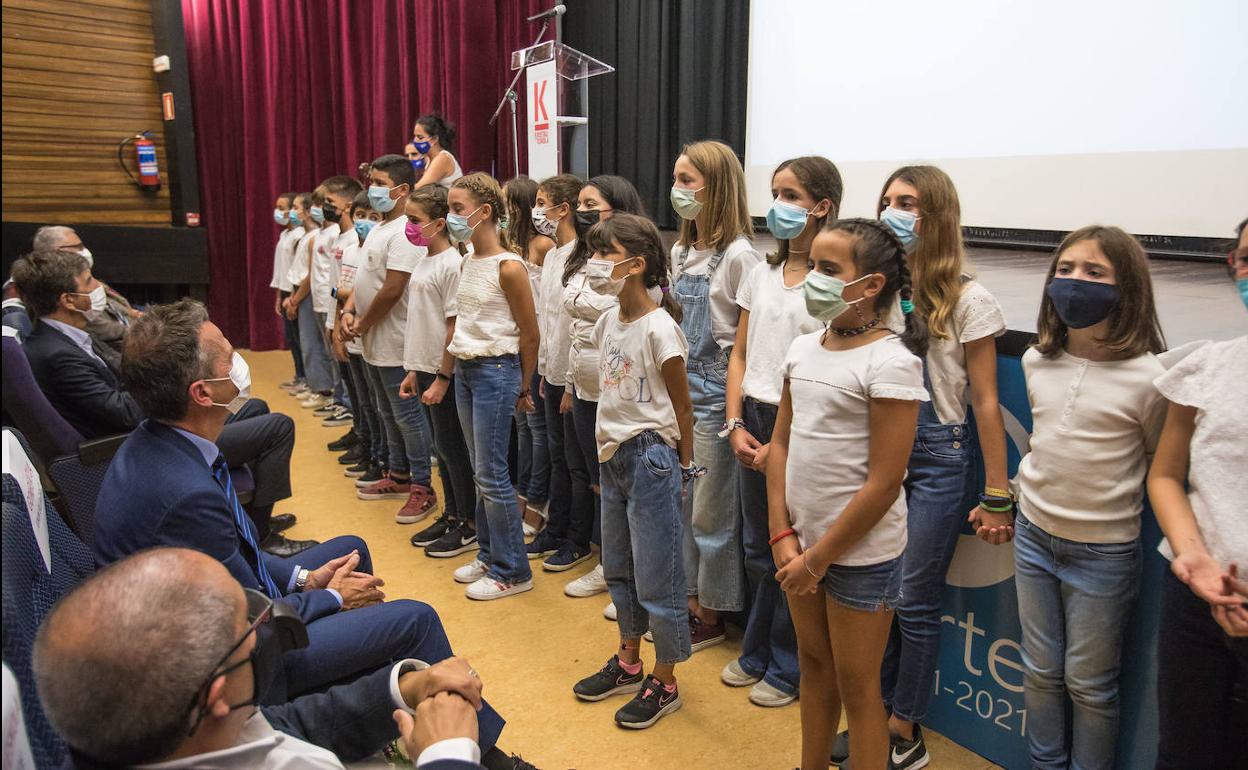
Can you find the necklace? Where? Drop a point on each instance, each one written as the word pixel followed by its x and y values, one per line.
pixel 855 331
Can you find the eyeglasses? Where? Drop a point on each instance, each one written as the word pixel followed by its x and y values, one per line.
pixel 259 612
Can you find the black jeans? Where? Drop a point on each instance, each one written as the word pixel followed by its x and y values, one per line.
pixel 263 441
pixel 585 422
pixel 291 329
pixel 1202 684
pixel 454 462
pixel 570 495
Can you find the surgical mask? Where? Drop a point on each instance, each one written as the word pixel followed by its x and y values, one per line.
pixel 786 220
pixel 293 218
pixel 586 220
pixel 85 253
pixel 1080 303
pixel 318 215
pixel 379 198
pixel 240 375
pixel 458 228
pixel 416 233
pixel 901 223
pixel 418 164
pixel 824 296
pixel 543 225
pixel 598 276
pixel 280 217
pixel 363 227
pixel 330 212
pixel 99 299
pixel 685 202
pixel 422 147
pixel 1242 285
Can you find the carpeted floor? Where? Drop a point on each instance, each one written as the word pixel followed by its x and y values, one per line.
pixel 531 648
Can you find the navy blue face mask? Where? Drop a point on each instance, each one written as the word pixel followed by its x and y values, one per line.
pixel 1080 303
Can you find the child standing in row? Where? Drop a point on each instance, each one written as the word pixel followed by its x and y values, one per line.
pixel 292 230
pixel 644 437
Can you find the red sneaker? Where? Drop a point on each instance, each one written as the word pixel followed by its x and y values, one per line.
pixel 421 503
pixel 386 489
pixel 702 635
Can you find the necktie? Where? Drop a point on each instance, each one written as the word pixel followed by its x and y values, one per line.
pixel 244 526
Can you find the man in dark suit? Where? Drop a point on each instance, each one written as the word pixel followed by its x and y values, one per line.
pixel 186 687
pixel 79 377
pixel 187 378
pixel 108 324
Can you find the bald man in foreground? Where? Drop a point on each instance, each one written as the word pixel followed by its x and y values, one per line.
pixel 158 661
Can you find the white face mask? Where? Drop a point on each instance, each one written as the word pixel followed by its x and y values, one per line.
pixel 99 299
pixel 240 375
pixel 86 254
pixel 598 276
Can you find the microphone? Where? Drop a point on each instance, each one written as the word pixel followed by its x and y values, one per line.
pixel 558 10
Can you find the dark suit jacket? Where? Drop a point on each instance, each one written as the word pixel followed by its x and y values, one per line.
pixel 158 491
pixel 85 391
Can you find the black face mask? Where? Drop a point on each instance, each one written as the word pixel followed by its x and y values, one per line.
pixel 332 214
pixel 586 220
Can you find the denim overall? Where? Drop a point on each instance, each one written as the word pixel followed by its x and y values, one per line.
pixel 712 532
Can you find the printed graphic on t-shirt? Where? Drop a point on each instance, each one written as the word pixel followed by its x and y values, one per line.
pixel 620 373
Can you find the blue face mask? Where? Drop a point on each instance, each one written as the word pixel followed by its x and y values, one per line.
pixel 294 218
pixel 1242 283
pixel 458 228
pixel 1080 303
pixel 685 202
pixel 318 215
pixel 422 147
pixel 901 223
pixel 363 227
pixel 418 164
pixel 786 220
pixel 280 217
pixel 379 198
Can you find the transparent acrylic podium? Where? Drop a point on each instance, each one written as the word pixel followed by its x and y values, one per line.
pixel 557 119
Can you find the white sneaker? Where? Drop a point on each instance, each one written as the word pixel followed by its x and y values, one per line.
pixel 763 694
pixel 316 401
pixel 488 588
pixel 589 584
pixel 609 613
pixel 471 572
pixel 734 676
pixel 300 390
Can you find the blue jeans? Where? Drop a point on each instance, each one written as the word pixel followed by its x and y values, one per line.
pixel 316 365
pixel 407 430
pixel 641 543
pixel 712 550
pixel 368 425
pixel 935 486
pixel 585 424
pixel 454 462
pixel 1073 603
pixel 769 646
pixel 335 369
pixel 533 457
pixel 486 390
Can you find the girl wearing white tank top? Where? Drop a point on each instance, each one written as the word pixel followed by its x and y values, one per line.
pixel 432 137
pixel 495 347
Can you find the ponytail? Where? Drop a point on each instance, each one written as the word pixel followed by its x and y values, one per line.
pixel 640 238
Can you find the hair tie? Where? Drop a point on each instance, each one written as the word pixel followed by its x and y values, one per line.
pixel 907 307
pixel 665 289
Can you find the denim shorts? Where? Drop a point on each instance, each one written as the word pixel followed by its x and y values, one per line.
pixel 870 587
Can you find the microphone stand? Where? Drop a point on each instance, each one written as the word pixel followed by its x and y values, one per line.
pixel 510 97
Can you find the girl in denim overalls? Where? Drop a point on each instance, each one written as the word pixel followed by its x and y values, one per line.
pixel 713 258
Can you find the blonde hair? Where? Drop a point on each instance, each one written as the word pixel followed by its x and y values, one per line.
pixel 725 211
pixel 485 189
pixel 938 259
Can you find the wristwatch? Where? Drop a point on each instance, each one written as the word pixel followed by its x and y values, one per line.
pixel 301 579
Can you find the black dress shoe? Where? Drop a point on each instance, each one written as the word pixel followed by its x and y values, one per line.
pixel 348 440
pixel 280 545
pixel 281 522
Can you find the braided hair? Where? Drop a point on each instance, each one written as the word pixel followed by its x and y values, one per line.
pixel 639 238
pixel 877 250
pixel 485 189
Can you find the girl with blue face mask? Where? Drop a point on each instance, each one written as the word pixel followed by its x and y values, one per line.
pixel 807 193
pixel 432 137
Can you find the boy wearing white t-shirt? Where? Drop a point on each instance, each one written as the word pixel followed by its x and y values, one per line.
pixel 292 230
pixel 337 193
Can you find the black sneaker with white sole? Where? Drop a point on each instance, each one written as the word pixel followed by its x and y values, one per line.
pixel 344 442
pixel 908 754
pixel 376 472
pixel 840 749
pixel 651 704
pixel 459 540
pixel 567 557
pixel 340 416
pixel 359 469
pixel 433 532
pixel 351 456
pixel 610 680
pixel 543 545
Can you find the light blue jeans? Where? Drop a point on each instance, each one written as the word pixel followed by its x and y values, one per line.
pixel 407 429
pixel 486 390
pixel 1073 602
pixel 641 543
pixel 316 365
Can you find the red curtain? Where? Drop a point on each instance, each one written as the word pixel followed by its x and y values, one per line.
pixel 287 94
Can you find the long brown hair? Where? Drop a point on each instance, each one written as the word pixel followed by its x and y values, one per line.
pixel 1133 325
pixel 725 211
pixel 639 238
pixel 938 259
pixel 521 194
pixel 820 177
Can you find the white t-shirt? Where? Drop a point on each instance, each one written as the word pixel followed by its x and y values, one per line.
pixel 555 324
pixel 739 258
pixel 484 326
pixel 830 441
pixel 282 255
pixel 323 268
pixel 299 259
pixel 777 317
pixel 1094 425
pixel 977 315
pixel 340 244
pixel 386 248
pixel 352 256
pixel 431 299
pixel 1212 379
pixel 633 395
pixel 585 306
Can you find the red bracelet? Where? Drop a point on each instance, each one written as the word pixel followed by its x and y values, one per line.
pixel 781 536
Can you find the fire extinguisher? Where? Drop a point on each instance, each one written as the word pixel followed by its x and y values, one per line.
pixel 148 179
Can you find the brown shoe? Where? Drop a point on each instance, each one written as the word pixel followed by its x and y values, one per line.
pixel 386 489
pixel 421 503
pixel 702 635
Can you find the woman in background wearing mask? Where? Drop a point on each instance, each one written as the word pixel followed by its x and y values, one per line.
pixel 807 193
pixel 920 205
pixel 713 257
pixel 432 138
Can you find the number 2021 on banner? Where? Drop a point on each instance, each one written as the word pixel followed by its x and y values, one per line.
pixel 982 704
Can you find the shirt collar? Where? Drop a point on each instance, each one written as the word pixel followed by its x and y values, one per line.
pixel 208 449
pixel 79 337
